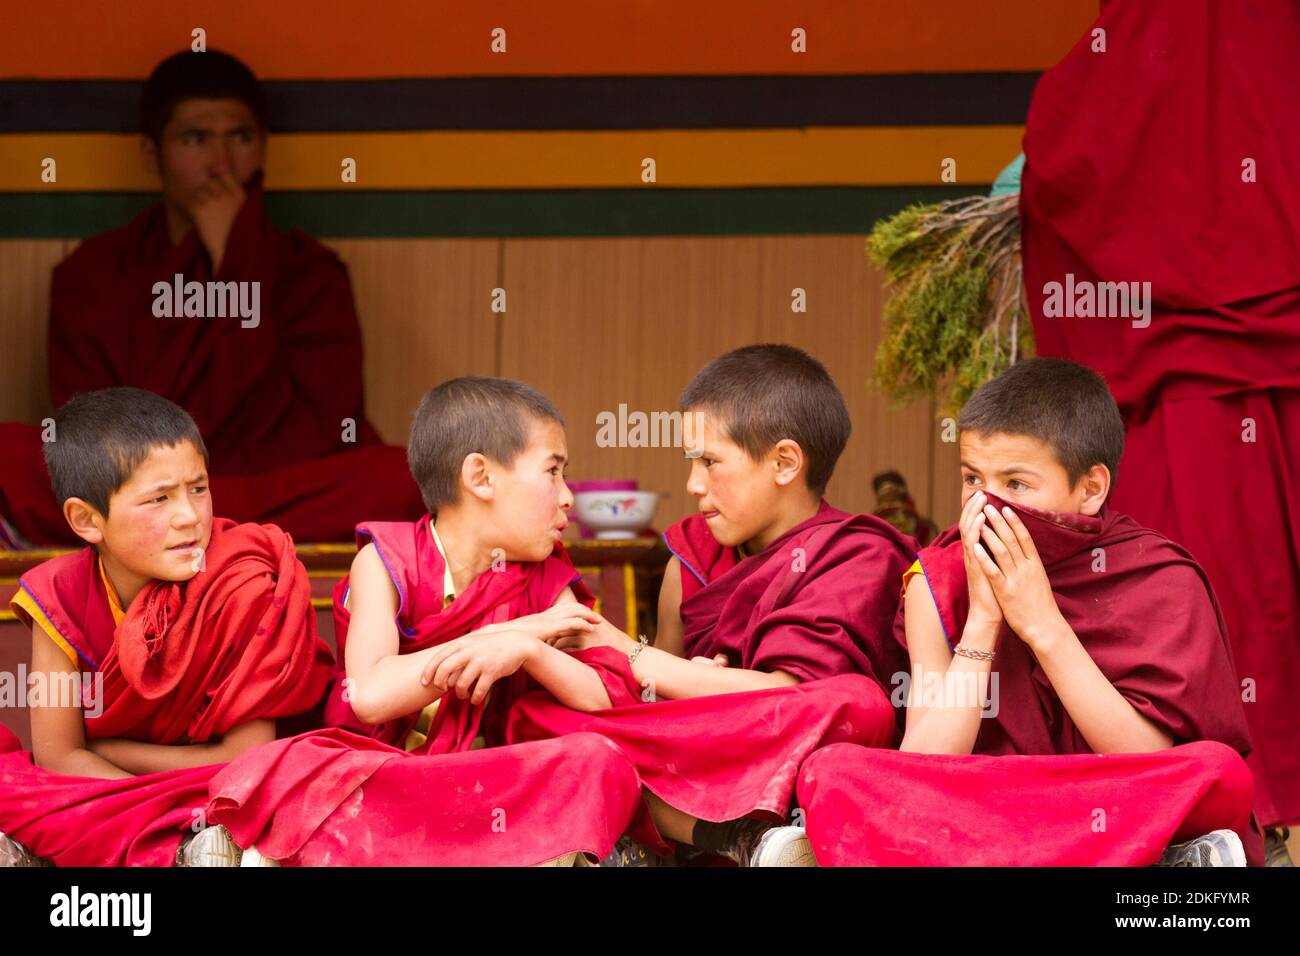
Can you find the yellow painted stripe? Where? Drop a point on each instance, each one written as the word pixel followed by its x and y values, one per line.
pixel 817 156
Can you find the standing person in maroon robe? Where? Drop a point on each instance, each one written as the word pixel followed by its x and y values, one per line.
pixel 167 646
pixel 264 350
pixel 1156 162
pixel 1072 698
pixel 783 605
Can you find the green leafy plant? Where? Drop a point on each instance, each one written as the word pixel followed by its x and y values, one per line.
pixel 956 316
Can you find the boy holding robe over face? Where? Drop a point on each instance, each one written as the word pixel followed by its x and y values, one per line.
pixel 774 622
pixel 1073 699
pixel 167 646
pixel 413 772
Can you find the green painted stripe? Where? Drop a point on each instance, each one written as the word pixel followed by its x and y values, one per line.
pixel 495 213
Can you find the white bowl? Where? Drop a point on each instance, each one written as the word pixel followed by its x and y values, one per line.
pixel 613 515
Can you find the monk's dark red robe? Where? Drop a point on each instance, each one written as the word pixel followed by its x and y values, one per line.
pixel 817 603
pixel 187 663
pixel 1210 390
pixel 269 400
pixel 1034 793
pixel 351 796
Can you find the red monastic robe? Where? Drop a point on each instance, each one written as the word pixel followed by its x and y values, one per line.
pixel 351 795
pixel 270 400
pixel 1210 389
pixel 1033 793
pixel 818 603
pixel 187 663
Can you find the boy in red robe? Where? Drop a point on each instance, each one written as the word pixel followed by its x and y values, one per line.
pixel 775 620
pixel 482 586
pixel 270 368
pixel 1073 699
pixel 170 644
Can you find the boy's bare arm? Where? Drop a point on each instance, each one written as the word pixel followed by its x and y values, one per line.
pixel 672 677
pixel 668 636
pixel 570 681
pixel 58 726
pixel 383 684
pixel 140 757
pixel 944 728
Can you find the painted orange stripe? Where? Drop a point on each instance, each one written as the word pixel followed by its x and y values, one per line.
pixel 817 156
pixel 344 39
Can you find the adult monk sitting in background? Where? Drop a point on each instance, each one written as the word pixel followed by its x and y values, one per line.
pixel 269 368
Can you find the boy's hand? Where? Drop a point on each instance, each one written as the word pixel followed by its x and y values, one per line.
pixel 470 665
pixel 603 634
pixel 985 610
pixel 213 209
pixel 560 620
pixel 1017 576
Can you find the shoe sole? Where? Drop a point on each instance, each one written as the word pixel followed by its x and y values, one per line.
pixel 784 846
pixel 212 847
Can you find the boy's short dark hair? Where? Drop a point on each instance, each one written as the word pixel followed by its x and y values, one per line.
pixel 100 439
pixel 1058 402
pixel 211 75
pixel 462 416
pixel 766 393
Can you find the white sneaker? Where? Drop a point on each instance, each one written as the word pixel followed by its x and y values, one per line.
pixel 211 846
pixel 783 846
pixel 1219 848
pixel 253 857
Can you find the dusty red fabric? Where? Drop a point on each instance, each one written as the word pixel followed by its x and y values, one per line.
pixel 333 798
pixel 1102 200
pixel 719 757
pixel 869 807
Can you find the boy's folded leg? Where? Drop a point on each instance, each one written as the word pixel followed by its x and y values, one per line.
pixel 333 798
pixel 870 807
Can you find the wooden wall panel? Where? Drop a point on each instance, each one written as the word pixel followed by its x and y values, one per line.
pixel 424 307
pixel 648 313
pixel 639 317
pixel 842 328
pixel 25 267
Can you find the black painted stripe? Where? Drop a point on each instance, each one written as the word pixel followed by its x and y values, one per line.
pixel 507 213
pixel 533 103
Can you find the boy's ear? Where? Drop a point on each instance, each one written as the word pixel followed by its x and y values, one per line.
pixel 476 476
pixel 789 461
pixel 84 519
pixel 1096 488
